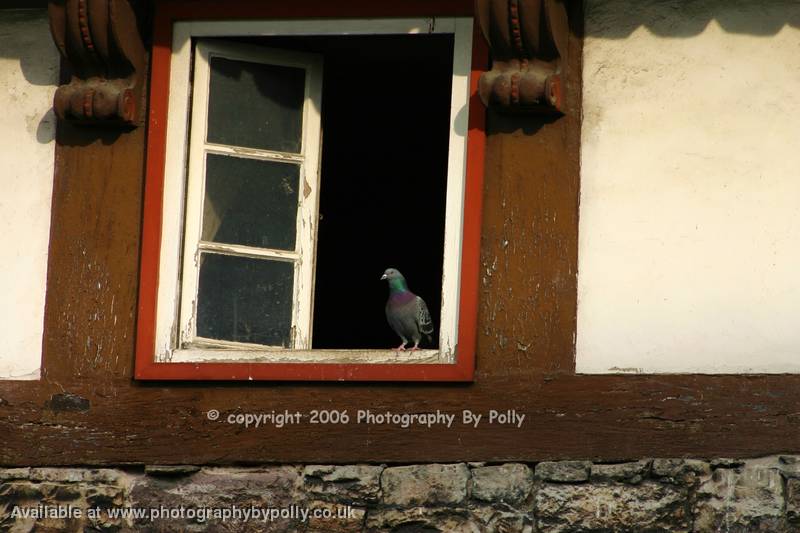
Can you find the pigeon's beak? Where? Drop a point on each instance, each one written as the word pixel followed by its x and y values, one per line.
pixel 384 276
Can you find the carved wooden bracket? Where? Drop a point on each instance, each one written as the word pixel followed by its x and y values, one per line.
pixel 101 41
pixel 528 39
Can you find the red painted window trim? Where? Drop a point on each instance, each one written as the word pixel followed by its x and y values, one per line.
pixel 146 367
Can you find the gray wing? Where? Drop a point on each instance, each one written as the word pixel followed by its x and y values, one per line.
pixel 423 318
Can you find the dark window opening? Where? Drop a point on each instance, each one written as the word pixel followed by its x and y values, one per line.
pixel 386 124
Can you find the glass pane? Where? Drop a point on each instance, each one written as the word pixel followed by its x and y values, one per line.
pixel 256 105
pixel 245 300
pixel 250 202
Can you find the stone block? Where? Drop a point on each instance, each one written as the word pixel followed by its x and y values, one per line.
pixel 348 483
pixel 725 462
pixel 509 483
pixel 423 520
pixel 744 500
pixel 499 519
pixel 648 506
pixel 425 484
pixel 14 473
pixel 680 471
pixel 563 471
pixel 633 472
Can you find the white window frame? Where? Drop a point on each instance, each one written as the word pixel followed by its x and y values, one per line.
pixel 308 189
pixel 169 297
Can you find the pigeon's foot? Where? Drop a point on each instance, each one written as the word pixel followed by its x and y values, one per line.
pixel 401 348
pixel 415 347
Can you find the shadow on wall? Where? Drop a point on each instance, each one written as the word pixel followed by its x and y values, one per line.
pixel 617 19
pixel 27 52
pixel 26 44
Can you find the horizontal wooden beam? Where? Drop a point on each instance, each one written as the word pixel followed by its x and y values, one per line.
pixel 565 417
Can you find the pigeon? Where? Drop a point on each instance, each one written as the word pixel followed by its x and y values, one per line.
pixel 406 312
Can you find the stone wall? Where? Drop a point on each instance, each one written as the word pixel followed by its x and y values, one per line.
pixel 669 495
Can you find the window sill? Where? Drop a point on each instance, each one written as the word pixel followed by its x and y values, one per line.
pixel 309 365
pixel 323 356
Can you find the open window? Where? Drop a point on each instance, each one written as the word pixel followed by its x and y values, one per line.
pixel 292 161
pixel 250 227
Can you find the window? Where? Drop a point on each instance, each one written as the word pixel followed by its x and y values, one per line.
pixel 301 158
pixel 251 209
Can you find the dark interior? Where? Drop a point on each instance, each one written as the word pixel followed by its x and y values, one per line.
pixel 386 111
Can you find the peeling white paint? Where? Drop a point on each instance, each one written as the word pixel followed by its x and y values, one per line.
pixel 28 76
pixel 259 355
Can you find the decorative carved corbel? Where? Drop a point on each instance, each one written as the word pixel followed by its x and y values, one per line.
pixel 101 41
pixel 528 40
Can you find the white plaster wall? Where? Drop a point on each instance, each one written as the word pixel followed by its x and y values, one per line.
pixel 28 76
pixel 689 247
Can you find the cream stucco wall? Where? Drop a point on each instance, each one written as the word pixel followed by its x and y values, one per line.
pixel 689 254
pixel 28 76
